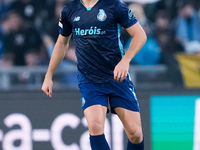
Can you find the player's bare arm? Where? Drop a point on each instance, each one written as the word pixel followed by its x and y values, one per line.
pixel 58 54
pixel 139 39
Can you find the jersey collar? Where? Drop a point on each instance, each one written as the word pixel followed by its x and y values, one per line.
pixel 87 7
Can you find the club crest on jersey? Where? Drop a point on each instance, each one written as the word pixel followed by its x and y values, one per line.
pixel 101 16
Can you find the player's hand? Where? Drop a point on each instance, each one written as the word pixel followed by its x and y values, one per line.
pixel 121 70
pixel 47 86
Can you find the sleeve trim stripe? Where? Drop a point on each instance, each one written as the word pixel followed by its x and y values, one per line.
pixel 60 24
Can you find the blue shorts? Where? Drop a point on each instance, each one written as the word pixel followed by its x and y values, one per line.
pixel 118 94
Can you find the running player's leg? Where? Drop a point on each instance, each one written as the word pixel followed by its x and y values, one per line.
pixel 132 125
pixel 123 101
pixel 95 103
pixel 95 116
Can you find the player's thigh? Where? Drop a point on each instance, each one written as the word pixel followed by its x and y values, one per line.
pixel 131 121
pixel 95 116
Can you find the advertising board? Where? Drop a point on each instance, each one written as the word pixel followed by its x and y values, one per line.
pixel 175 122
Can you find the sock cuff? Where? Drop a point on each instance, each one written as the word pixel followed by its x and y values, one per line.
pixel 139 146
pixel 137 143
pixel 98 142
pixel 97 138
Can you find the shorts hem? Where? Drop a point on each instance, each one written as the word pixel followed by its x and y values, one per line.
pixel 113 111
pixel 93 105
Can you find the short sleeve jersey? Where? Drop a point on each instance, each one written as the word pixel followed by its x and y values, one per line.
pixel 96 36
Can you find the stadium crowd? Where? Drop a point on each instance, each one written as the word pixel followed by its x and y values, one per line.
pixel 28 31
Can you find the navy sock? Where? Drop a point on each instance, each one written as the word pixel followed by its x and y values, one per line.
pixel 139 146
pixel 98 142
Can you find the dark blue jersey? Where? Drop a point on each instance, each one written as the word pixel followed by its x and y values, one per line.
pixel 96 35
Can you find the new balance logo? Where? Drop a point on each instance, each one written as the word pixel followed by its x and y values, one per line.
pixel 77 18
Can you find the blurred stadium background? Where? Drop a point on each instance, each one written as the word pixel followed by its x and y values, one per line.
pixel 166 74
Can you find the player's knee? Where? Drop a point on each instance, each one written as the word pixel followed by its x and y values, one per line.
pixel 96 127
pixel 135 135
